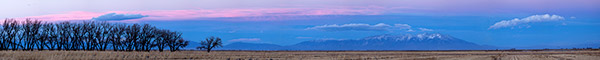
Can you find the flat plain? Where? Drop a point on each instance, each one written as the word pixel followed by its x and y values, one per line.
pixel 303 55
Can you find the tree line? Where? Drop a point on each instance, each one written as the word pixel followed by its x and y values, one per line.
pixel 86 35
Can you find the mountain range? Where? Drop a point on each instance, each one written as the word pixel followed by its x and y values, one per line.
pixel 423 41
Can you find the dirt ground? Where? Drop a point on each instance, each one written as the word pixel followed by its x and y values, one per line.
pixel 304 55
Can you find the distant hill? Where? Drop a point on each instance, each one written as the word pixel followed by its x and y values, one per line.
pixel 569 46
pixel 192 45
pixel 424 41
pixel 238 46
pixel 251 46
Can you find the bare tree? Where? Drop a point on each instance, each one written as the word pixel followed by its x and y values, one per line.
pixel 86 35
pixel 210 43
pixel 161 39
pixel 31 34
pixel 116 36
pixel 174 41
pixel 48 36
pixel 10 29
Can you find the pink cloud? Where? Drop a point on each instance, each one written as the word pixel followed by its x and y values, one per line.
pixel 244 40
pixel 74 15
pixel 271 13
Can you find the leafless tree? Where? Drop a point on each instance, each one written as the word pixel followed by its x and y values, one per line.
pixel 86 35
pixel 210 43
pixel 174 41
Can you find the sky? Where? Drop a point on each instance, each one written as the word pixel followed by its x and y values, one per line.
pixel 505 23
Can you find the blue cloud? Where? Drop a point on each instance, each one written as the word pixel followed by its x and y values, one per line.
pixel 352 27
pixel 527 20
pixel 117 17
pixel 425 29
pixel 364 27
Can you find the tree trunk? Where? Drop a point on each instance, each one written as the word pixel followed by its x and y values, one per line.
pixel 208 50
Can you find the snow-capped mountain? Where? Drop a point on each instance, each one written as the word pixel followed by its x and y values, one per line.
pixel 423 36
pixel 424 41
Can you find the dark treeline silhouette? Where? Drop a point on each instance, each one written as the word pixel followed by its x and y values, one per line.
pixel 86 35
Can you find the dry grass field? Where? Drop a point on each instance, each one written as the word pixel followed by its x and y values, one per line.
pixel 304 55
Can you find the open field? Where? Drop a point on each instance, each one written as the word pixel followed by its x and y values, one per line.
pixel 307 55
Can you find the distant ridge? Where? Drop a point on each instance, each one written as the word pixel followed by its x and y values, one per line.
pixel 251 46
pixel 423 41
